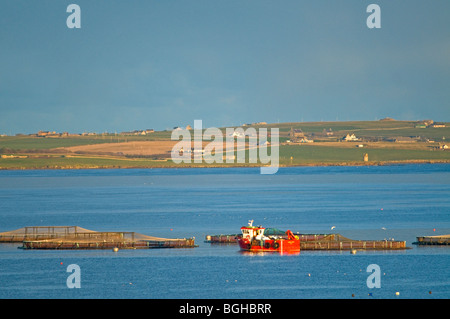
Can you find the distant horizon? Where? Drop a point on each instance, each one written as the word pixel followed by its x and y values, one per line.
pixel 191 124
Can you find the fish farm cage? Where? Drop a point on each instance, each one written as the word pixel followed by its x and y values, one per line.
pixel 75 237
pixel 433 240
pixel 339 242
pixel 318 241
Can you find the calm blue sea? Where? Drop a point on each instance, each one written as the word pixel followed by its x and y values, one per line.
pixel 368 202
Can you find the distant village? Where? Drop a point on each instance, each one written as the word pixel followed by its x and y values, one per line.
pixel 294 136
pixel 297 136
pixel 67 134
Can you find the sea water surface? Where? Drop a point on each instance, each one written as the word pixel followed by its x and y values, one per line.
pixel 397 202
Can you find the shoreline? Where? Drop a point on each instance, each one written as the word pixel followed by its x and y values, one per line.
pixel 378 142
pixel 176 166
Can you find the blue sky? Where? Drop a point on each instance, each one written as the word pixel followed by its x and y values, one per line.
pixel 160 64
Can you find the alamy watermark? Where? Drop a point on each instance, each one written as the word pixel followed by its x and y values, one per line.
pixel 74 279
pixel 374 279
pixel 190 149
pixel 74 19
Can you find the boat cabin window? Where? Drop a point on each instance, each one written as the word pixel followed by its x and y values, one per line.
pixel 252 232
pixel 248 232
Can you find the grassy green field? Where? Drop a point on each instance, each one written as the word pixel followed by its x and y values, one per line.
pixel 41 153
pixel 379 129
pixel 311 154
pixel 81 162
pixel 59 162
pixel 35 143
pixel 301 155
pixel 40 143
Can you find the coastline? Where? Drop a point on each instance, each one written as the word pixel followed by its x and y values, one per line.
pixel 376 143
pixel 177 166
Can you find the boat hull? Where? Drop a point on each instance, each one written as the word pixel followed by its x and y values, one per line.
pixel 279 245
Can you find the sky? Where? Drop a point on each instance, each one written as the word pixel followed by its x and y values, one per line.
pixel 165 63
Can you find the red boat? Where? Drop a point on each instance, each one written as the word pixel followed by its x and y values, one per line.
pixel 254 240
